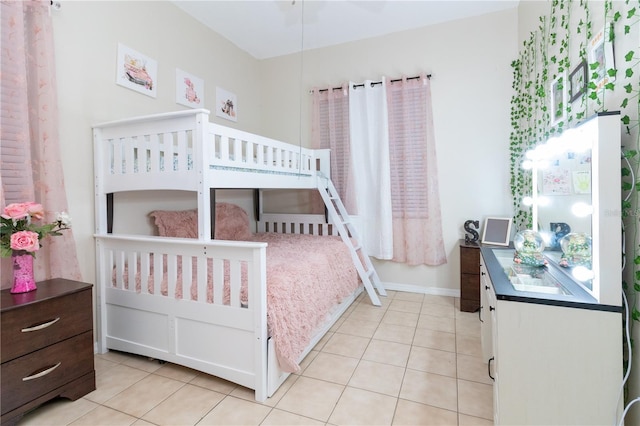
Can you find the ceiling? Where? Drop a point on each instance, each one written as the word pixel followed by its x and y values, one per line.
pixel 270 28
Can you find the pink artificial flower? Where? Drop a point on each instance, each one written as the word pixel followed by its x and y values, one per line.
pixel 35 210
pixel 25 240
pixel 16 211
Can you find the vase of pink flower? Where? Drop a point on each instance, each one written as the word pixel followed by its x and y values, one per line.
pixel 21 238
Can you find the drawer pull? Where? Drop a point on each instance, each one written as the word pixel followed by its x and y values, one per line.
pixel 40 326
pixel 42 373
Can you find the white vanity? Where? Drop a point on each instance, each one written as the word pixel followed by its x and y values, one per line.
pixel 553 343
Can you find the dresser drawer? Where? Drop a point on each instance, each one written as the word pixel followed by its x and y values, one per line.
pixel 470 287
pixel 33 375
pixel 28 328
pixel 469 260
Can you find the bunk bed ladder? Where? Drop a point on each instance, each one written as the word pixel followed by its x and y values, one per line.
pixel 340 218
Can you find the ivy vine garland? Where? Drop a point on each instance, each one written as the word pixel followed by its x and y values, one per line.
pixel 543 58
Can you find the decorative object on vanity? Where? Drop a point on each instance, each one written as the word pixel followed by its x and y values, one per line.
pixel 472 235
pixel 576 250
pixel 47 346
pixel 529 246
pixel 497 231
pixel 557 231
pixel 20 238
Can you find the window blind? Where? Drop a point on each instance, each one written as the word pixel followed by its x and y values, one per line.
pixel 16 185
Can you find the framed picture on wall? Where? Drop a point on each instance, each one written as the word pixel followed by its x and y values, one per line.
pixel 136 71
pixel 559 98
pixel 189 90
pixel 578 81
pixel 226 104
pixel 601 59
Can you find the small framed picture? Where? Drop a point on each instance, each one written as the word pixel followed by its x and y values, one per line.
pixel 136 71
pixel 558 99
pixel 601 59
pixel 497 231
pixel 189 90
pixel 226 104
pixel 578 81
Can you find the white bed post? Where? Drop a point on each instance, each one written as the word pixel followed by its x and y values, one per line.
pixel 324 155
pixel 260 322
pixel 203 148
pixel 100 228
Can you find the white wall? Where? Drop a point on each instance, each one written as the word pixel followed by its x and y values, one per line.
pixel 471 87
pixel 86 37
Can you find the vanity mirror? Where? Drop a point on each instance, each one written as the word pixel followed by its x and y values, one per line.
pixel 575 200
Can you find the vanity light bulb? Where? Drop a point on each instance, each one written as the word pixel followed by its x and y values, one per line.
pixel 582 273
pixel 527 201
pixel 527 164
pixel 581 209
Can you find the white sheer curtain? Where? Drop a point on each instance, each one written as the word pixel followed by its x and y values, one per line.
pixel 369 134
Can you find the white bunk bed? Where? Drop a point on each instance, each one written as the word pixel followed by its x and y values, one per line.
pixel 223 335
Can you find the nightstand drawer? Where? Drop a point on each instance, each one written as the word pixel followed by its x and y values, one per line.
pixel 28 328
pixel 469 260
pixel 33 375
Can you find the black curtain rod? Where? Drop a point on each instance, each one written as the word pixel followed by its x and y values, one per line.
pixel 373 83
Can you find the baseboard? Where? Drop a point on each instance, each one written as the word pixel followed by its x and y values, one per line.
pixel 412 288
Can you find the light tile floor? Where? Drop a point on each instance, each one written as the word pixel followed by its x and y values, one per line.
pixel 414 361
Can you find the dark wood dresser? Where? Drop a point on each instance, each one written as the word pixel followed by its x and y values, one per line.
pixel 46 346
pixel 469 276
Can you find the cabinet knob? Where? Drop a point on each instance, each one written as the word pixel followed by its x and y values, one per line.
pixel 482 273
pixel 486 287
pixel 491 308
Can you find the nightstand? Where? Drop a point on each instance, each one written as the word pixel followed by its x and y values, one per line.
pixel 469 276
pixel 46 346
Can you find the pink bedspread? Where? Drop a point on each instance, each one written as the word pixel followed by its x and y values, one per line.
pixel 306 277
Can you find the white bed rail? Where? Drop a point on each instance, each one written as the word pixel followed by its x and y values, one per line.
pixel 313 224
pixel 166 327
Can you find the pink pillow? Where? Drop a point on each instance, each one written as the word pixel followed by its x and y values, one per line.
pixel 181 223
pixel 232 223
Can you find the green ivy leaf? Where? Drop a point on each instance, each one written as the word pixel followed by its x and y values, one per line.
pixel 609 86
pixel 625 119
pixel 631 13
pixel 631 153
pixel 594 66
pixel 628 88
pixel 627 29
pixel 635 314
pixel 629 56
pixel 617 16
pixel 628 72
pixel 612 72
pixel 626 186
pixel 624 103
pixel 626 172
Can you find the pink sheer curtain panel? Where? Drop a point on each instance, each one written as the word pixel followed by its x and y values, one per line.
pixel 330 129
pixel 417 227
pixel 29 97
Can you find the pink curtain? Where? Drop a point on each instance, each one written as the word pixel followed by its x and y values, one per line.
pixel 31 161
pixel 417 228
pixel 330 129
